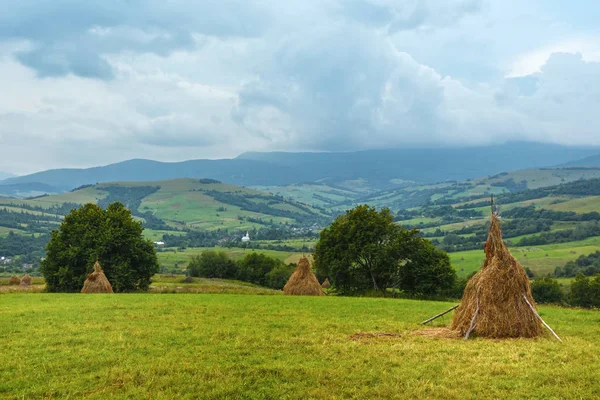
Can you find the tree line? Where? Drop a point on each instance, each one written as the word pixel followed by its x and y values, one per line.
pixel 256 268
pixel 584 291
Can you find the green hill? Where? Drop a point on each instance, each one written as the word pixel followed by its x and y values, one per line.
pixel 181 204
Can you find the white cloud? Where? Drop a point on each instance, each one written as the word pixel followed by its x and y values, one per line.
pixel 214 79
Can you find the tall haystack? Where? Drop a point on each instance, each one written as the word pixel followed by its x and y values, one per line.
pixel 26 280
pixel 14 280
pixel 326 284
pixel 497 301
pixel 303 282
pixel 97 282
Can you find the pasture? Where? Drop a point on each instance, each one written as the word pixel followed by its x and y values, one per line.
pixel 271 347
pixel 542 260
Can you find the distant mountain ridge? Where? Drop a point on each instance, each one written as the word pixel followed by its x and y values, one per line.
pixel 6 175
pixel 380 169
pixel 591 161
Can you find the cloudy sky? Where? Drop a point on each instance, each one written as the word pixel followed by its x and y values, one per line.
pixel 93 82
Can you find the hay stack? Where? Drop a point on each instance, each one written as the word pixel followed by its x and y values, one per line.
pixel 97 282
pixel 14 280
pixel 303 282
pixel 326 284
pixel 494 302
pixel 26 280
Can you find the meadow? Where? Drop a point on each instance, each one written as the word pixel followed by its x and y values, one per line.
pixel 277 347
pixel 542 260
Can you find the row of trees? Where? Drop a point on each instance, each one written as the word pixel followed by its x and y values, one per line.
pixel 585 265
pixel 584 292
pixel 256 268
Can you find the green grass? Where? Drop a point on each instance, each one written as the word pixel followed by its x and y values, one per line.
pixel 4 231
pixel 157 235
pixel 276 347
pixel 578 205
pixel 542 260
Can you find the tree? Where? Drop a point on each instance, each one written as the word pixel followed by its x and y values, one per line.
pixel 426 272
pixel 364 249
pixel 585 292
pixel 110 236
pixel 212 264
pixel 279 275
pixel 547 290
pixel 255 267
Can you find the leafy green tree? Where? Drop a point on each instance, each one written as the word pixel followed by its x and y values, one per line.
pixel 110 236
pixel 212 264
pixel 364 249
pixel 279 275
pixel 585 292
pixel 426 271
pixel 255 267
pixel 547 290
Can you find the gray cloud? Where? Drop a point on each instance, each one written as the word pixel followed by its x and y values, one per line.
pixel 176 80
pixel 71 36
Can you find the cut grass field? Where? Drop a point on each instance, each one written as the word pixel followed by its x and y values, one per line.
pixel 271 347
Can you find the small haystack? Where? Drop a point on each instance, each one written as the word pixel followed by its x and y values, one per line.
pixel 14 280
pixel 26 280
pixel 497 301
pixel 326 284
pixel 97 282
pixel 303 282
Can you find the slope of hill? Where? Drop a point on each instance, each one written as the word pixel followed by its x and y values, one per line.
pixel 237 172
pixel 591 161
pixel 182 204
pixel 386 168
pixel 454 192
pixel 365 171
pixel 6 175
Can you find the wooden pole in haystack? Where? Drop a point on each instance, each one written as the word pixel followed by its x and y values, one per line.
pixel 497 301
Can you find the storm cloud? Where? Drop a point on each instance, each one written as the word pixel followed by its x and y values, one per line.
pixel 88 83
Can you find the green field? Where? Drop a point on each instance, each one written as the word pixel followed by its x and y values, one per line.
pixel 542 260
pixel 271 347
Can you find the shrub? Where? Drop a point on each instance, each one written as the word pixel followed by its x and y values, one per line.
pixel 547 290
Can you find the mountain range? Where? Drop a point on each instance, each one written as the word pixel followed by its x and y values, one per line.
pixel 377 169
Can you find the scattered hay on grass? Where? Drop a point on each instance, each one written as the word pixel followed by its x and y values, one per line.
pixel 441 333
pixel 303 281
pixel 97 282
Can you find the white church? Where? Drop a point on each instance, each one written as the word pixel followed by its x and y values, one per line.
pixel 246 239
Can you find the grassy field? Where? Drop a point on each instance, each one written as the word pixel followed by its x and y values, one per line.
pixel 276 347
pixel 541 259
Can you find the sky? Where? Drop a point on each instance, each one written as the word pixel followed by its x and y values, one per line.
pixel 101 81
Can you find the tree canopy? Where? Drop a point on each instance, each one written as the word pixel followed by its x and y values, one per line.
pixel 364 249
pixel 110 236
